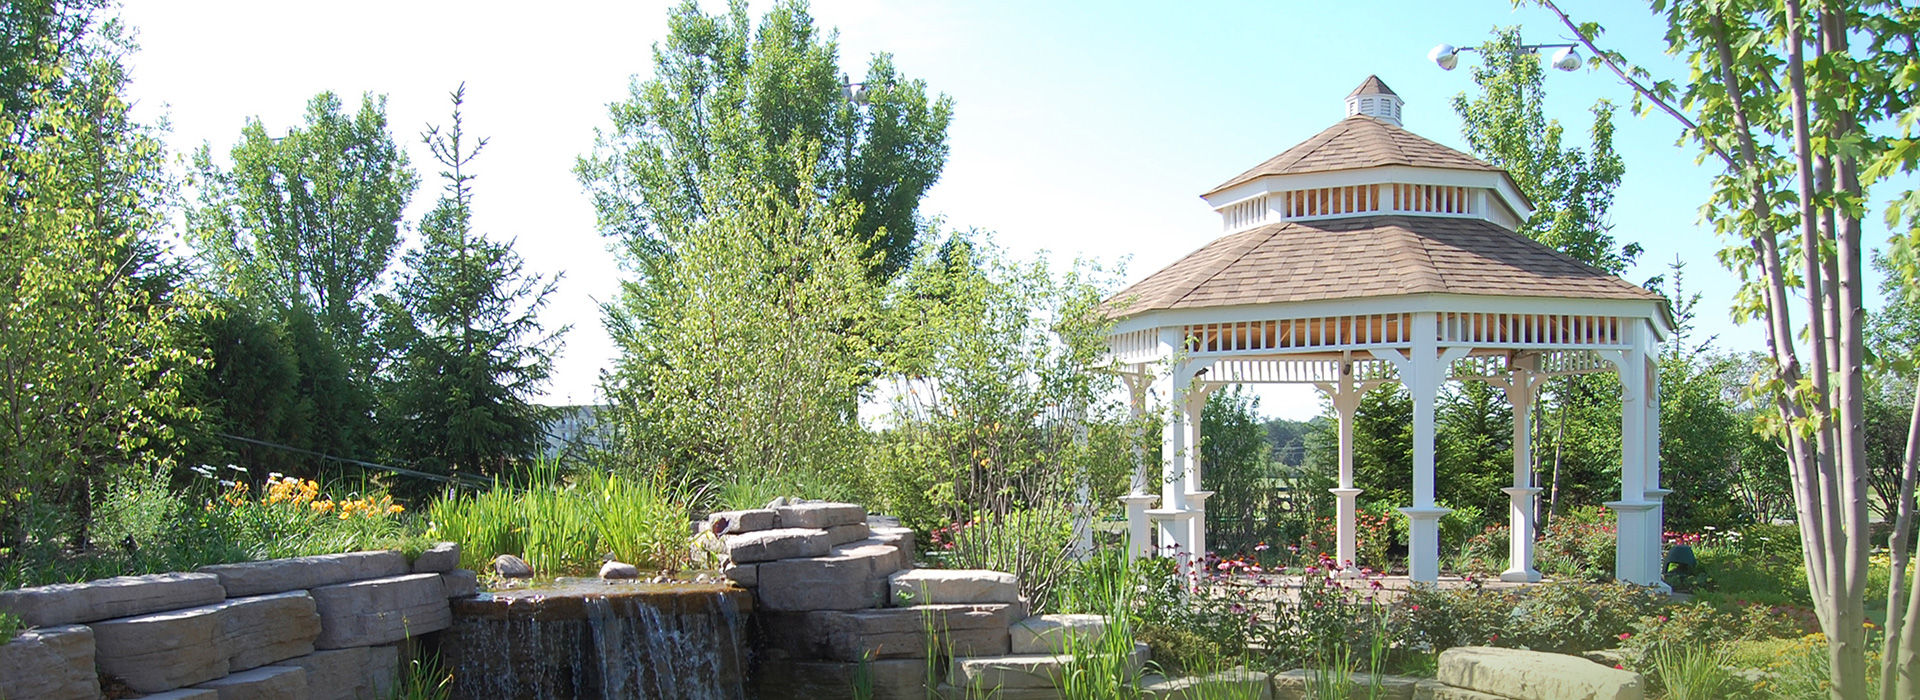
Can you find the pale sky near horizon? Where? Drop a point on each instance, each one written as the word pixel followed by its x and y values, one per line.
pixel 1086 129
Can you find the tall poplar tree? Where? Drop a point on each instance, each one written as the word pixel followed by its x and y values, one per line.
pixel 465 315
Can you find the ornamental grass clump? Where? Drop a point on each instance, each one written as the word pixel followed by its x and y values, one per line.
pixel 569 524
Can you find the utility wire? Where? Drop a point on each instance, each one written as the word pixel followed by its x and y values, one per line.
pixel 467 481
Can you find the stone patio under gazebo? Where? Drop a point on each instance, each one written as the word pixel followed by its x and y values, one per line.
pixel 1367 255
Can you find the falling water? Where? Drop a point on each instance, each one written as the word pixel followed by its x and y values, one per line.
pixel 594 641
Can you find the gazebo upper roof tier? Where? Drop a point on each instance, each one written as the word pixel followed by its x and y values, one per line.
pixel 1369 256
pixel 1357 142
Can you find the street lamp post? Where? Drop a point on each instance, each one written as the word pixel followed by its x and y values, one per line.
pixel 1447 56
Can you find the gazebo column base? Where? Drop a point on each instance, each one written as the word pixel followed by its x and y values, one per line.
pixel 1423 542
pixel 1176 529
pixel 1637 550
pixel 1521 535
pixel 1197 525
pixel 1657 539
pixel 1139 543
pixel 1344 547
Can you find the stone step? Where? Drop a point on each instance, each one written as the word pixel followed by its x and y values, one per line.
pixel 1236 684
pixel 852 577
pixel 743 521
pixel 105 599
pixel 282 575
pixel 1430 689
pixel 889 633
pixel 1533 675
pixel 264 683
pixel 1022 671
pixel 953 586
pixel 820 515
pixel 1292 685
pixel 777 544
pixel 381 610
pixel 1048 634
pixel 54 663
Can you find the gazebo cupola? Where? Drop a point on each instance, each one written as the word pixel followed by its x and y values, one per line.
pixel 1367 255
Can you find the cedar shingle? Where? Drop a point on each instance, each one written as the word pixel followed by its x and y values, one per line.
pixel 1368 256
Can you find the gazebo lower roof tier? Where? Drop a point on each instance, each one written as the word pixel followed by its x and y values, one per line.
pixel 1370 257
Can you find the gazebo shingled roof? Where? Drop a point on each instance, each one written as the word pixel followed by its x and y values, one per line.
pixel 1360 141
pixel 1368 256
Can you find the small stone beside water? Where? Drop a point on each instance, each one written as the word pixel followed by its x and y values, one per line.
pixel 618 570
pixel 510 566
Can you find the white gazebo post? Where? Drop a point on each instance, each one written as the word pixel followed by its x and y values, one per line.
pixel 1174 516
pixel 1346 401
pixel 1196 404
pixel 1637 530
pixel 1523 382
pixel 1422 370
pixel 1138 499
pixel 1655 494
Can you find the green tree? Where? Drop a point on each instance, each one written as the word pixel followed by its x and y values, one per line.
pixel 727 96
pixel 1236 466
pixel 465 313
pixel 311 219
pixel 301 230
pixel 90 366
pixel 1702 432
pixel 1785 96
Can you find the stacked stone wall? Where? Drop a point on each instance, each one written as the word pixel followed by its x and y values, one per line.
pixel 310 628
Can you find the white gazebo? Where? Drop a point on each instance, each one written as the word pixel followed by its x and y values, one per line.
pixel 1367 255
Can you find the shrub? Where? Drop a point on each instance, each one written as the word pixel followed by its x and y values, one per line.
pixel 1578 544
pixel 10 627
pixel 1034 545
pixel 1563 617
pixel 569 526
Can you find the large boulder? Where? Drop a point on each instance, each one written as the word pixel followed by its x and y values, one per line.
pixel 264 683
pixel 1293 685
pixel 264 629
pixel 1533 675
pixel 343 674
pixel 1238 684
pixel 50 663
pixel 380 611
pixel 774 545
pixel 820 516
pixel 105 599
pixel 1048 634
pixel 1430 689
pixel 847 578
pixel 743 521
pixel 953 586
pixel 441 558
pixel 158 652
pixel 282 575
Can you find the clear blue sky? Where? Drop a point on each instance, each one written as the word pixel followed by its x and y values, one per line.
pixel 1082 128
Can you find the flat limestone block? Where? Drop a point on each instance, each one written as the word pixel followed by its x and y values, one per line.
pixel 849 578
pixel 1535 675
pixel 336 674
pixel 1048 634
pixel 892 534
pixel 843 534
pixel 383 671
pixel 948 586
pixel 821 515
pixel 53 663
pixel 158 652
pixel 184 694
pixel 774 545
pixel 264 683
pixel 1292 685
pixel 1430 689
pixel 1010 671
pixel 441 558
pixel 108 598
pixel 745 575
pixel 743 521
pixel 1237 684
pixel 892 679
pixel 902 633
pixel 264 629
pixel 460 583
pixel 380 611
pixel 282 575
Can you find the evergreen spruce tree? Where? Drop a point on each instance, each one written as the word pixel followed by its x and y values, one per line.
pixel 472 351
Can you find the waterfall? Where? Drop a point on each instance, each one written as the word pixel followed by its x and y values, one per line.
pixel 593 641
